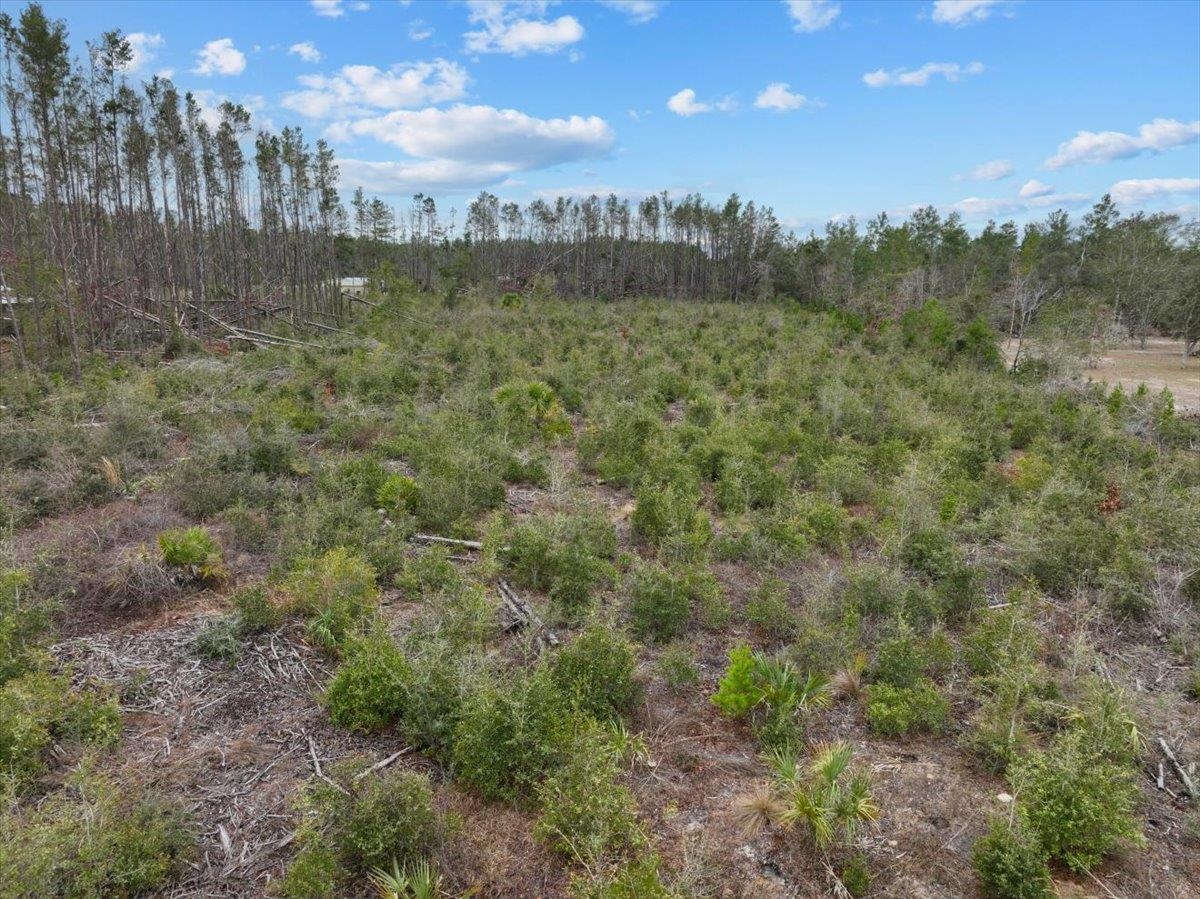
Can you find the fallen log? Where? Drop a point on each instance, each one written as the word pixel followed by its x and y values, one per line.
pixel 522 615
pixel 449 541
pixel 1188 783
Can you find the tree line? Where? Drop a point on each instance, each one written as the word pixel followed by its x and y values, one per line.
pixel 132 215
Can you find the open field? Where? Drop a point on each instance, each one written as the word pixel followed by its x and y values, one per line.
pixel 983 589
pixel 1160 365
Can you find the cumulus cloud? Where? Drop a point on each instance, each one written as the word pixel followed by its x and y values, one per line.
pixel 812 15
pixel 419 30
pixel 419 175
pixel 979 207
pixel 1137 190
pixel 357 89
pixel 1034 188
pixel 684 103
pixel 519 28
pixel 963 12
pixel 779 97
pixel 994 170
pixel 144 48
pixel 306 50
pixel 1106 146
pixel 220 57
pixel 335 9
pixel 951 71
pixel 638 11
pixel 503 140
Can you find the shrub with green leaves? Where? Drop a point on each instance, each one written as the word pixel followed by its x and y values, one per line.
pixel 336 592
pixel 1079 806
pixel 1010 863
pixel 565 556
pixel 769 610
pixel 587 813
pixel 38 709
pixel 596 672
pixel 659 604
pixel 823 795
pixel 93 839
pixel 364 825
pixel 532 408
pixel 370 688
pixel 194 551
pixel 24 625
pixel 896 711
pixel 511 732
pixel 669 515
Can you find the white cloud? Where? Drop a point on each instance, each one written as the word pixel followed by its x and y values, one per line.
pixel 994 170
pixel 779 97
pixel 507 27
pixel 419 30
pixel 503 139
pixel 358 88
pixel 1138 190
pixel 963 12
pixel 951 71
pixel 980 207
pixel 335 9
pixel 220 57
pixel 812 15
pixel 419 175
pixel 684 103
pixel 638 11
pixel 1035 188
pixel 165 73
pixel 1105 146
pixel 144 48
pixel 306 50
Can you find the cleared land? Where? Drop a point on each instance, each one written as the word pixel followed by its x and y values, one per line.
pixel 993 577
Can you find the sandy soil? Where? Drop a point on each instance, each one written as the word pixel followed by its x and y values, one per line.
pixel 1157 366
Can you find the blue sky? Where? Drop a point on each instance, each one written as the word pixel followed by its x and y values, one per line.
pixel 819 109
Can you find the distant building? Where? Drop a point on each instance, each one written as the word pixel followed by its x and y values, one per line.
pixel 354 286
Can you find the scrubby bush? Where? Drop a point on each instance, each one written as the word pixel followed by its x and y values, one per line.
pixel 511 732
pixel 769 611
pixel 24 625
pixel 823 794
pixel 93 839
pixel 896 711
pixel 1079 804
pixel 365 825
pixel 336 592
pixel 1011 864
pixel 587 812
pixel 565 556
pixel 596 672
pixel 771 692
pixel 428 572
pixel 38 709
pixel 660 603
pixel 194 551
pixel 532 408
pixel 670 517
pixel 677 667
pixel 370 688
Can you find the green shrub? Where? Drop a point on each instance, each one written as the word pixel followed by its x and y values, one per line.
pixel 1011 864
pixel 220 641
pixel 366 824
pixel 596 672
pixel 564 556
pixel 771 692
pixel 855 876
pixel 638 878
pixel 254 610
pixel 428 572
pixel 93 839
pixel 586 812
pixel 896 711
pixel 398 494
pixel 823 795
pixel 678 668
pixel 660 603
pixel 248 528
pixel 24 625
pixel 1001 638
pixel 39 709
pixel 511 732
pixel 844 480
pixel 370 688
pixel 193 550
pixel 669 516
pixel 1078 803
pixel 336 592
pixel 769 610
pixel 531 408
